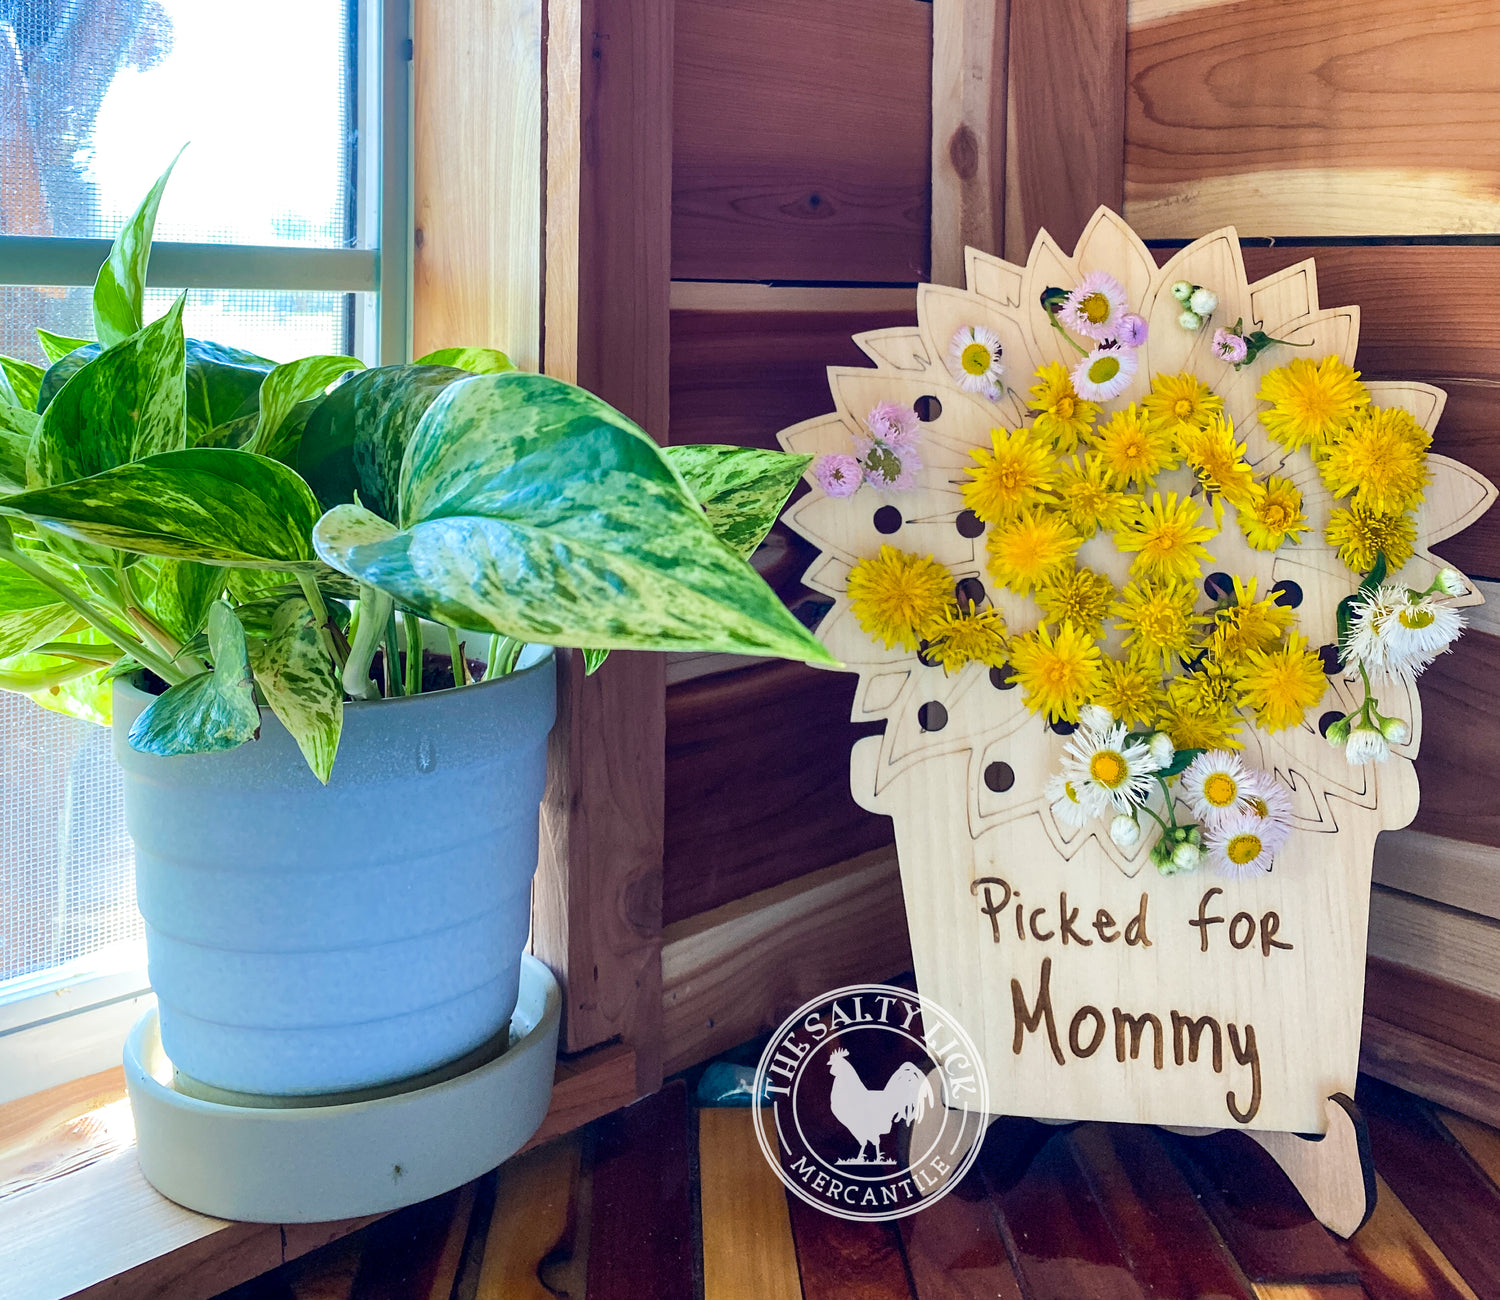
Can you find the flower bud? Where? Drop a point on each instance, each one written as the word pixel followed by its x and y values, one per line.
pixel 1161 748
pixel 1395 730
pixel 1451 582
pixel 1185 857
pixel 1182 291
pixel 1338 733
pixel 1203 301
pixel 1366 745
pixel 1125 831
pixel 1096 717
pixel 1190 321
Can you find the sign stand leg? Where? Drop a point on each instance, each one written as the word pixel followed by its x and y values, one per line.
pixel 1335 1173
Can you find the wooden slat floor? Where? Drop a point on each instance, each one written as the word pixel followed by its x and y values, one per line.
pixel 664 1200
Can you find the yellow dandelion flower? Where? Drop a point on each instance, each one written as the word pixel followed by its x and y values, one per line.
pixel 1359 535
pixel 1078 596
pixel 1272 514
pixel 1158 621
pixel 1179 402
pixel 1281 685
pixel 1014 474
pixel 898 596
pixel 1311 401
pixel 1381 458
pixel 1217 459
pixel 1058 674
pixel 1132 450
pixel 1089 495
pixel 1131 693
pixel 1028 550
pixel 972 636
pixel 1247 625
pixel 1062 416
pixel 1191 729
pixel 1167 539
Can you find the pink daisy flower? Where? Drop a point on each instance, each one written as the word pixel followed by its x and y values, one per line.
pixel 1095 307
pixel 895 425
pixel 888 468
pixel 1229 346
pixel 1133 330
pixel 838 475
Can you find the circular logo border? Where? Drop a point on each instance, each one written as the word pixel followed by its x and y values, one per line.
pixel 822 1001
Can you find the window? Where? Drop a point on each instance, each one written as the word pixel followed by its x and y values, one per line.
pixel 286 218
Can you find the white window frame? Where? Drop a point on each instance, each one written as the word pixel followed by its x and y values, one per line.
pixel 70 1021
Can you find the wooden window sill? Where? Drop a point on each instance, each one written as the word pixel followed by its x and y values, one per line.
pixel 78 1219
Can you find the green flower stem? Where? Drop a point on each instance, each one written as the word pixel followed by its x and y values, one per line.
pixel 413 626
pixel 1167 795
pixel 309 586
pixel 456 657
pixel 394 685
pixel 138 650
pixel 1072 342
pixel 1165 829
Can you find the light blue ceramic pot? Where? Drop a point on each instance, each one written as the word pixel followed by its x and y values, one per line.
pixel 305 939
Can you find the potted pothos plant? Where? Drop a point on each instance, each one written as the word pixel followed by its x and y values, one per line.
pixel 318 601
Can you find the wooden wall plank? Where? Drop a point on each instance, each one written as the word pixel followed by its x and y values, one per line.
pixel 1437 1071
pixel 1341 117
pixel 970 43
pixel 1453 872
pixel 1437 1009
pixel 1455 946
pixel 801 140
pixel 597 903
pixel 841 1258
pixel 1461 707
pixel 837 926
pixel 477 176
pixel 748 1251
pixel 758 784
pixel 1065 152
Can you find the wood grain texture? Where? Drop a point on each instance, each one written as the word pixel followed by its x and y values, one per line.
pixel 597 902
pixel 739 377
pixel 801 140
pixel 840 1258
pixel 954 1248
pixel 1460 706
pixel 1333 1172
pixel 970 42
pixel 1343 117
pixel 477 176
pixel 1436 1180
pixel 585 1087
pixel 1065 153
pixel 757 791
pixel 837 926
pixel 533 1202
pixel 1432 1069
pixel 641 1235
pixel 1171 1244
pixel 1457 947
pixel 1434 1008
pixel 1480 1140
pixel 748 1251
pixel 1397 1260
pixel 1454 872
pixel 408 1258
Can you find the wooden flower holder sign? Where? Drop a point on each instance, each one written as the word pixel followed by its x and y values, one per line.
pixel 1137 573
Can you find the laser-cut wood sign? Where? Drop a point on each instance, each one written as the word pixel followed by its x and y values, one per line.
pixel 1095 987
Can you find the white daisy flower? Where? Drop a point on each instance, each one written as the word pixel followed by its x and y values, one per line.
pixel 1266 799
pixel 975 360
pixel 1067 805
pixel 1415 629
pixel 1101 765
pixel 1095 307
pixel 1214 784
pixel 1237 846
pixel 1105 373
pixel 1366 745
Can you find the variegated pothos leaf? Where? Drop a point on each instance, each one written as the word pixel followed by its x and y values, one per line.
pixel 741 489
pixel 298 681
pixel 211 712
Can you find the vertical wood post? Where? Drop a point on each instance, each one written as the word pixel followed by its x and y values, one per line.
pixel 596 916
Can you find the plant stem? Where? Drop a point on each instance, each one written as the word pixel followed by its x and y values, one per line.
pixel 393 684
pixel 138 650
pixel 456 657
pixel 1074 343
pixel 309 586
pixel 71 650
pixel 413 626
pixel 1167 795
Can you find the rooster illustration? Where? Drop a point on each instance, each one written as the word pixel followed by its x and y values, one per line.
pixel 869 1115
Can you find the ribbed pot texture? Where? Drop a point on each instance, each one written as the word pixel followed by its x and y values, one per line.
pixel 305 939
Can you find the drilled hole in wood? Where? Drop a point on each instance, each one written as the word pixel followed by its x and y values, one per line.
pixel 1326 721
pixel 969 591
pixel 932 716
pixel 924 654
pixel 1329 654
pixel 1003 679
pixel 1062 726
pixel 1219 586
pixel 887 519
pixel 927 408
pixel 999 777
pixel 1287 593
pixel 969 524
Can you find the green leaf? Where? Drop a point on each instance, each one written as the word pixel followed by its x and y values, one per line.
pixel 355 440
pixel 741 489
pixel 592 659
pixel 536 510
pixel 181 595
pixel 20 382
pixel 1376 575
pixel 205 503
pixel 121 284
pixel 222 383
pixel 64 685
pixel 62 370
pixel 477 361
pixel 211 712
pixel 1181 760
pixel 56 346
pixel 17 429
pixel 127 403
pixel 297 680
pixel 289 384
pixel 30 612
